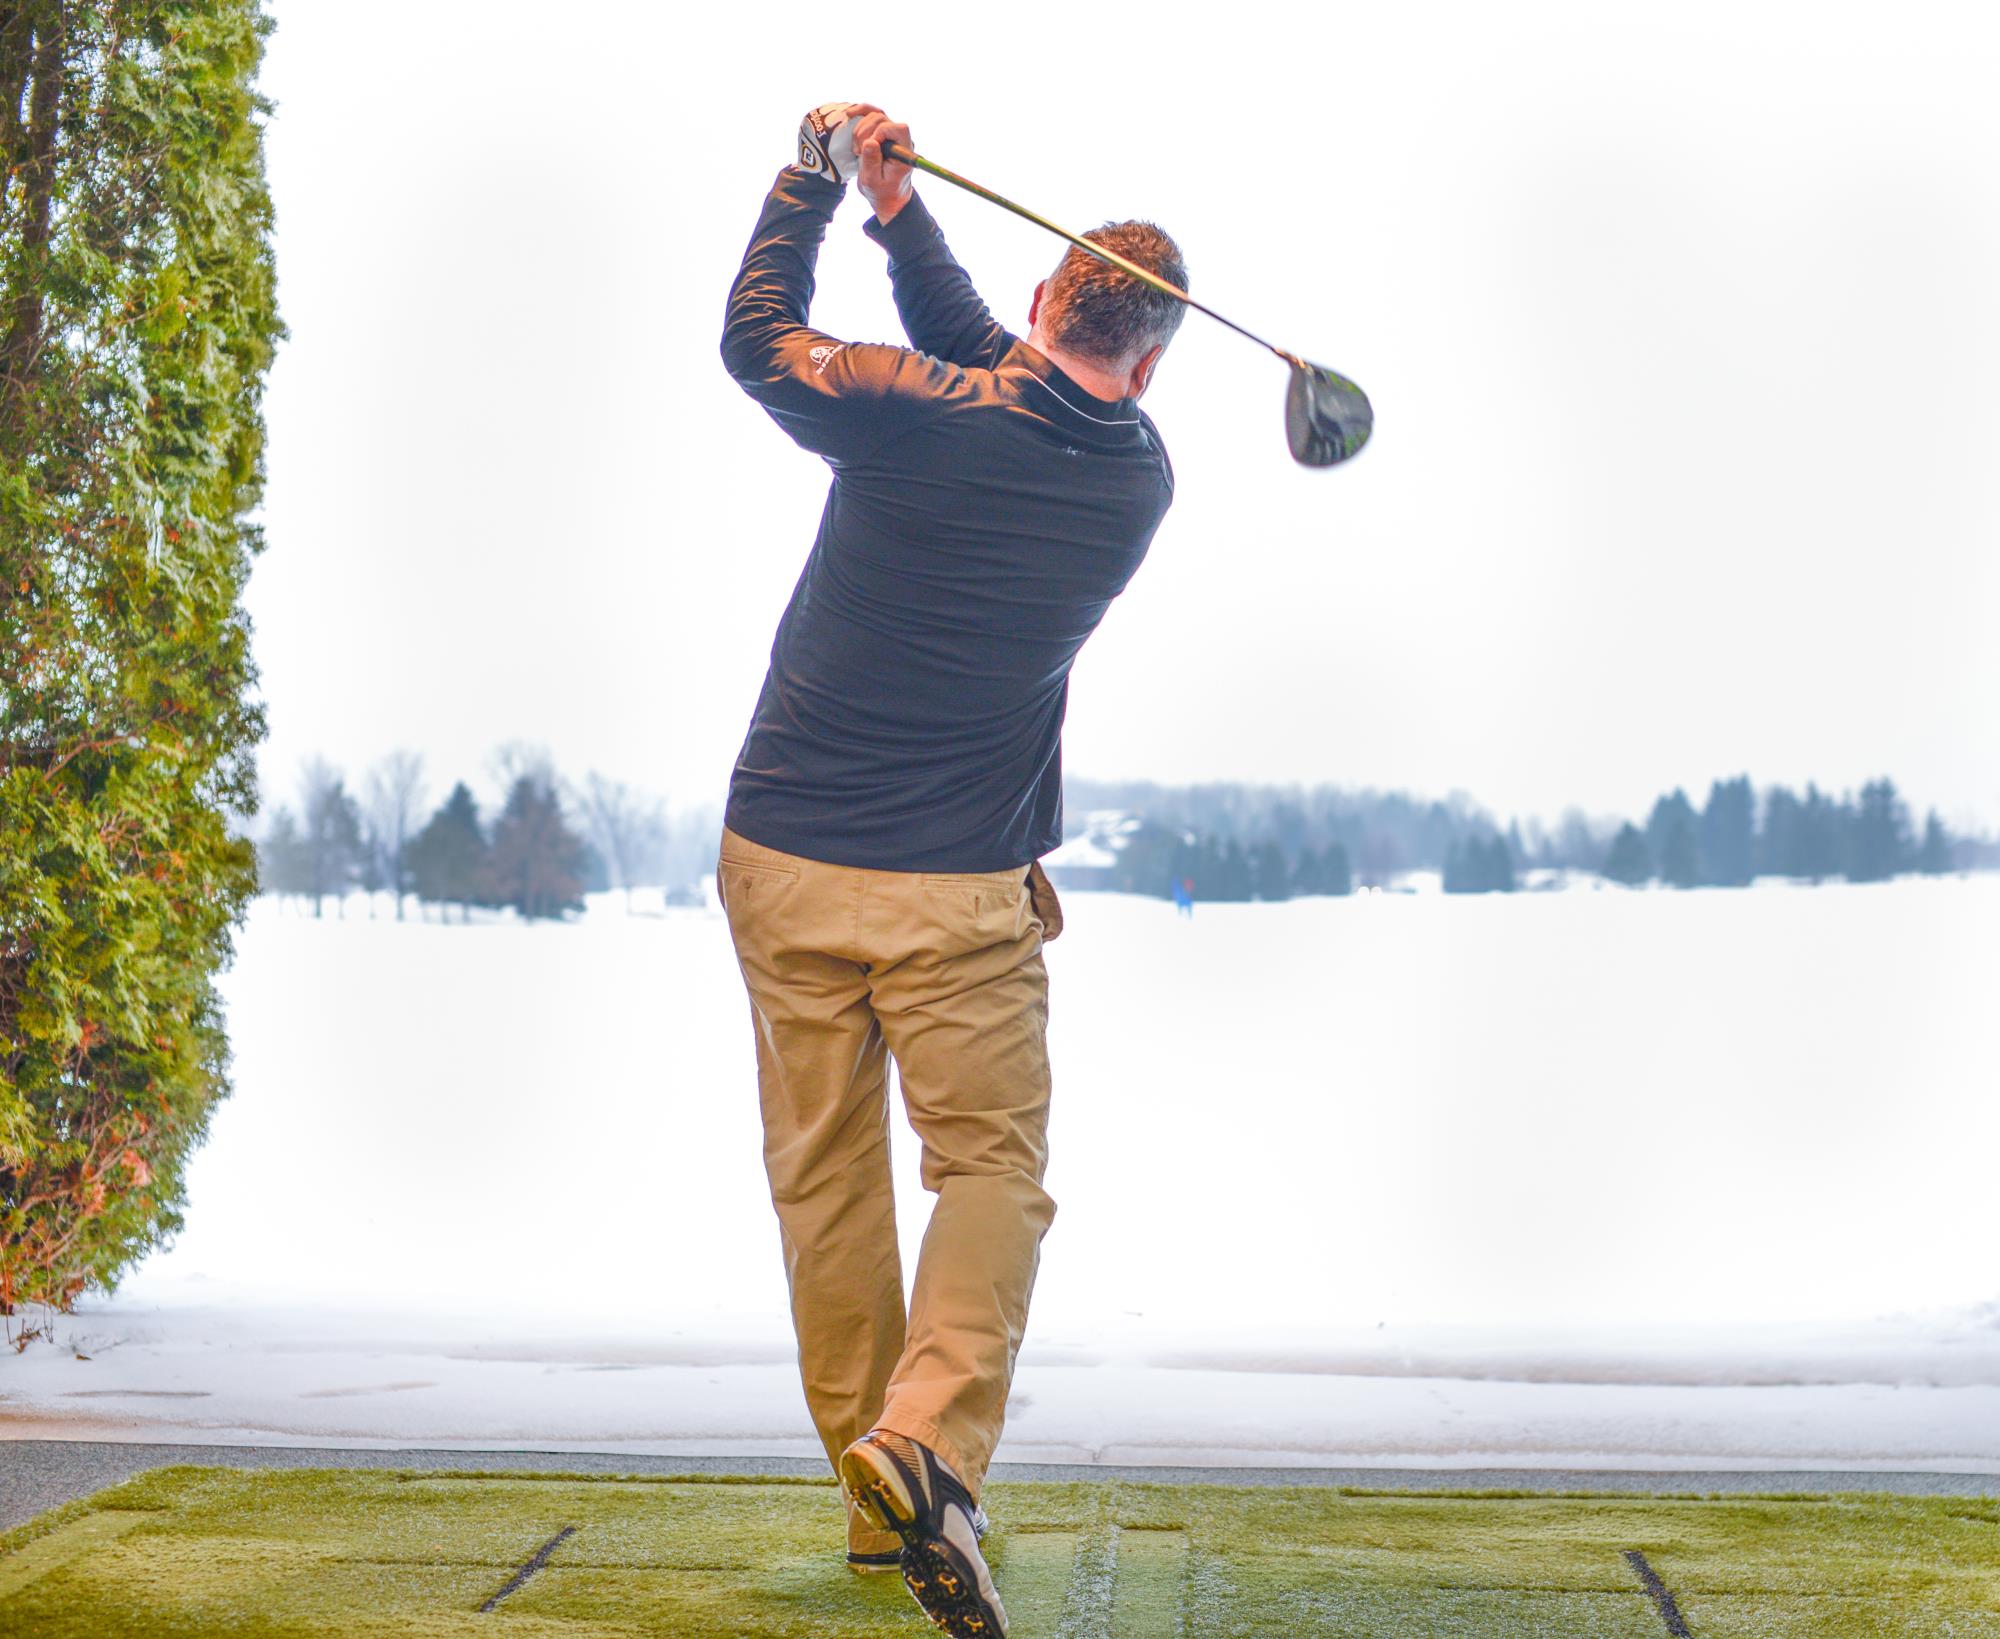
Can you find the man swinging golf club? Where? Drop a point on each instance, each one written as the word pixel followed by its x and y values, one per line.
pixel 902 774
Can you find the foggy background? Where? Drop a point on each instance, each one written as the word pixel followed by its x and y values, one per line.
pixel 1679 332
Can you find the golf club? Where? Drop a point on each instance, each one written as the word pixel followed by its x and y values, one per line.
pixel 1327 417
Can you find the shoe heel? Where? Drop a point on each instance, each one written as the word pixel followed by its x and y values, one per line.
pixel 879 1496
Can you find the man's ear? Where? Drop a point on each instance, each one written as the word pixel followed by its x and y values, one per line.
pixel 1142 373
pixel 1035 302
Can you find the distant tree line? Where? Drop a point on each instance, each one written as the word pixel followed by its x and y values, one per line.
pixel 1379 834
pixel 548 843
pixel 1154 858
pixel 1240 842
pixel 1810 837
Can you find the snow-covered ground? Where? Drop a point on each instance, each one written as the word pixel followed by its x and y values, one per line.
pixel 1656 1178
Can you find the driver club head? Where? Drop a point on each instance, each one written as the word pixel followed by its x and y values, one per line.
pixel 1327 417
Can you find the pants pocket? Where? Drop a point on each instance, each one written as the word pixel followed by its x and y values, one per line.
pixel 1042 895
pixel 738 879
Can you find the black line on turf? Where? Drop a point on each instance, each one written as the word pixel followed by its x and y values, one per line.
pixel 541 1558
pixel 1670 1613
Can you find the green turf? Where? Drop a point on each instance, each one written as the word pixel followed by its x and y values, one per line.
pixel 185 1551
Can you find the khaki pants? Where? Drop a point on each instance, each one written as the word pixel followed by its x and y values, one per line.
pixel 846 967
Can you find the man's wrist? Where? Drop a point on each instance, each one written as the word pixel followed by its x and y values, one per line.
pixel 886 211
pixel 910 227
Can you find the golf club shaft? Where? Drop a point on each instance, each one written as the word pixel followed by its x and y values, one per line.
pixel 904 156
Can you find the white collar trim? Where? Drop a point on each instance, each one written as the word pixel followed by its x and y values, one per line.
pixel 1103 421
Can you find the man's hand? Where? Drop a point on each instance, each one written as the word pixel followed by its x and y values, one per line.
pixel 885 184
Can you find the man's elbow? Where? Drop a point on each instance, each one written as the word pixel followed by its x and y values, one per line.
pixel 739 354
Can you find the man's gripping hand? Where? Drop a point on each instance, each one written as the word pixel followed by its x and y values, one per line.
pixel 884 183
pixel 843 140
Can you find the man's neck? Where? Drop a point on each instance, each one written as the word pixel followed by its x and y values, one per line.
pixel 1092 378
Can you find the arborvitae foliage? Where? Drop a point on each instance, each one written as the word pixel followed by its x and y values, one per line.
pixel 1630 861
pixel 1728 833
pixel 448 859
pixel 137 320
pixel 1878 844
pixel 1934 856
pixel 538 861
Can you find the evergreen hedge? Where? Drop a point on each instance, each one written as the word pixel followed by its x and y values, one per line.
pixel 137 320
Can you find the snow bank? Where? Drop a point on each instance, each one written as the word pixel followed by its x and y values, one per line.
pixel 1566 1160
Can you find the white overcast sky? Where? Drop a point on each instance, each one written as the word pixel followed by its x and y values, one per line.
pixel 1682 326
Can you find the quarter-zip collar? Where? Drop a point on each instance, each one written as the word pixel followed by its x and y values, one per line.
pixel 1122 412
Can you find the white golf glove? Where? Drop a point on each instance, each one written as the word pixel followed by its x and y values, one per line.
pixel 826 142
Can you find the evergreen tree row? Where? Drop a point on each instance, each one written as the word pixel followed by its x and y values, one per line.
pixel 1811 838
pixel 545 847
pixel 1734 837
pixel 1156 859
pixel 1387 834
pixel 1480 865
pixel 549 842
pixel 1380 834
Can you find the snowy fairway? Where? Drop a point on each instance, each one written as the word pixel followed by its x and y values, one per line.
pixel 1427 1155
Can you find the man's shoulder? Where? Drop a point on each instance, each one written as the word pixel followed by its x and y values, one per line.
pixel 1159 444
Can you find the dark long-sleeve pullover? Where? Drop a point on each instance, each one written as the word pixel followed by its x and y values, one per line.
pixel 984 512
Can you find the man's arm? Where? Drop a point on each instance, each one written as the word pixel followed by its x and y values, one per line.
pixel 838 400
pixel 941 312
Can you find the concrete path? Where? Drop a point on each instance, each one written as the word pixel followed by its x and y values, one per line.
pixel 39 1474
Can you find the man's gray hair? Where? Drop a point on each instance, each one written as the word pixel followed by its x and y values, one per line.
pixel 1102 313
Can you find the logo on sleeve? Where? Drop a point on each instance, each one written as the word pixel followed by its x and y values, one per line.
pixel 822 356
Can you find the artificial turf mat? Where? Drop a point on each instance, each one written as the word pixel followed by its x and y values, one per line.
pixel 184 1551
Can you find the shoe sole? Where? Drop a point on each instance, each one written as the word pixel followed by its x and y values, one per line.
pixel 875 1485
pixel 934 1571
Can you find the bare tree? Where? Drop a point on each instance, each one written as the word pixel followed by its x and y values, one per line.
pixel 522 759
pixel 1580 841
pixel 627 828
pixel 331 839
pixel 395 804
pixel 281 868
